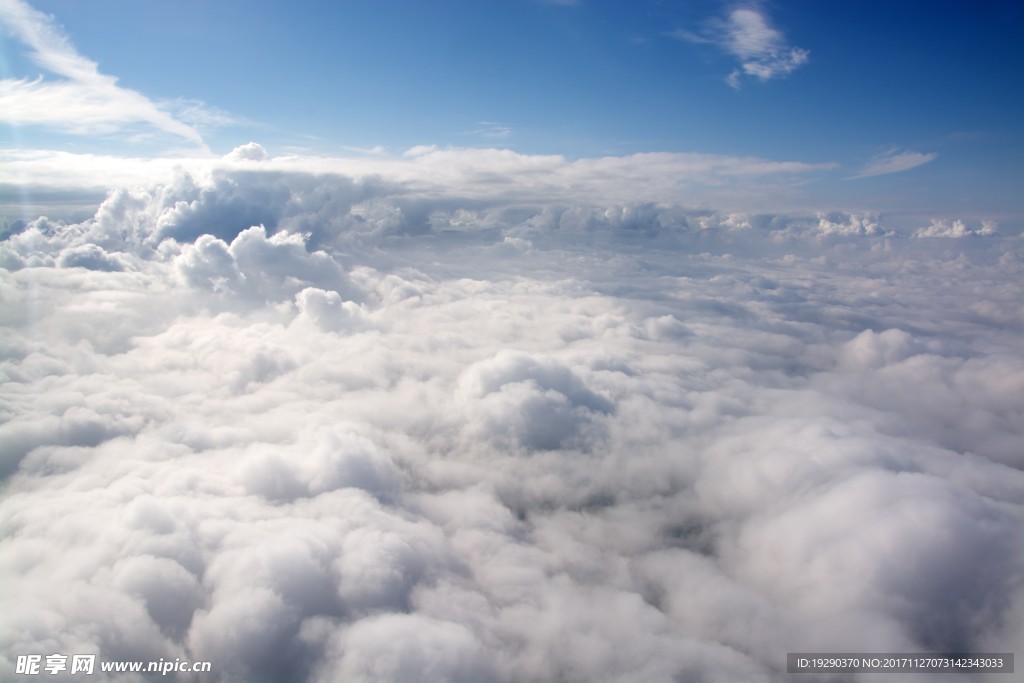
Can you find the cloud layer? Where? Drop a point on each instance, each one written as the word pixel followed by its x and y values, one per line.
pixel 477 176
pixel 316 426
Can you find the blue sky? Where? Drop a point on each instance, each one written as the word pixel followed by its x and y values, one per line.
pixel 915 104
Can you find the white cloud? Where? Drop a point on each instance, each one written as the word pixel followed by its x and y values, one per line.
pixel 198 114
pixel 895 162
pixel 749 183
pixel 516 400
pixel 255 265
pixel 491 130
pixel 250 151
pixel 306 424
pixel 957 228
pixel 746 33
pixel 376 150
pixel 849 224
pixel 85 102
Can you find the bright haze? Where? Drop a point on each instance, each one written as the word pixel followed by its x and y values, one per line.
pixel 511 341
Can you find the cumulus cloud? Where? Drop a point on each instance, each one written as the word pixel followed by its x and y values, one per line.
pixel 894 162
pixel 519 400
pixel 256 266
pixel 304 424
pixel 250 151
pixel 748 36
pixel 957 228
pixel 84 101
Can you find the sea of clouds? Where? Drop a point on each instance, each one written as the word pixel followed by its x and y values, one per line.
pixel 311 426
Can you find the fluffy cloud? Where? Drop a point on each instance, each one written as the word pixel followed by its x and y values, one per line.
pixel 747 35
pixel 307 425
pixel 956 228
pixel 515 399
pixel 252 151
pixel 257 266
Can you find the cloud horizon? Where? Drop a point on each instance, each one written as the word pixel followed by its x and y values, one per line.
pixel 303 426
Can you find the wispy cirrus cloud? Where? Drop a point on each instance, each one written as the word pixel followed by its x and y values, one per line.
pixel 198 114
pixel 83 101
pixel 746 33
pixel 491 129
pixel 894 161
